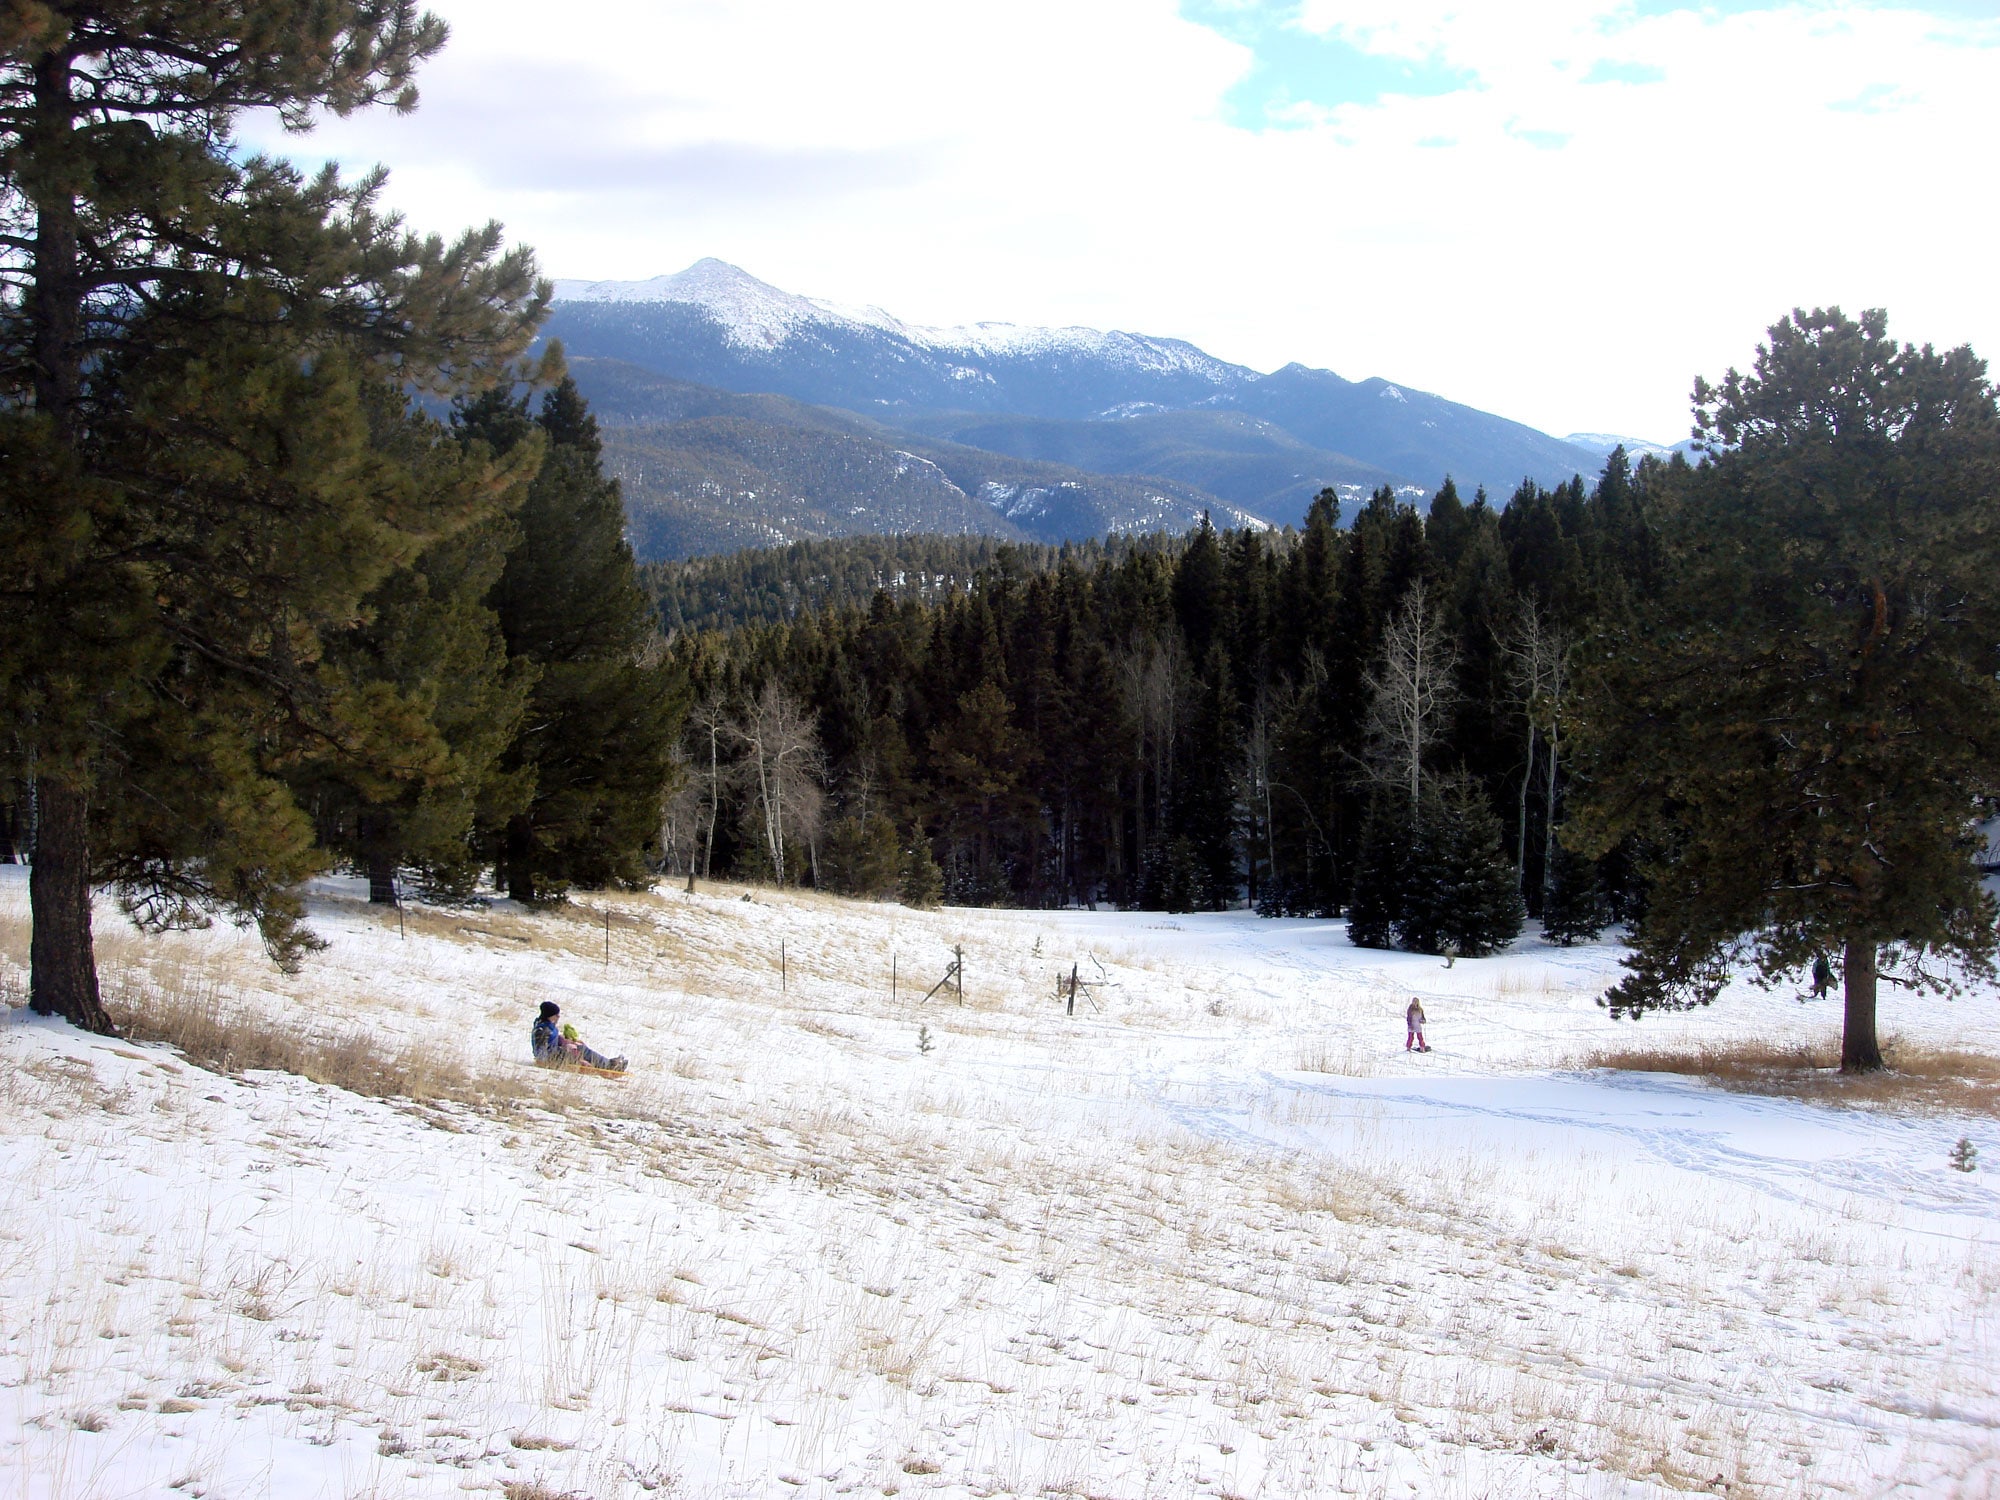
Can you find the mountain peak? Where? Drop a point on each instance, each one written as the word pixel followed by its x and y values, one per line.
pixel 753 314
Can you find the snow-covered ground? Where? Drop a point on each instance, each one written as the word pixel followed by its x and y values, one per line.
pixel 1216 1234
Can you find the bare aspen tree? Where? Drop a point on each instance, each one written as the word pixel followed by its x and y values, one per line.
pixel 680 818
pixel 780 769
pixel 708 727
pixel 1539 652
pixel 1412 691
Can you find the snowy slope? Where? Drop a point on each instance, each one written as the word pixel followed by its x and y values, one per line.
pixel 1217 1235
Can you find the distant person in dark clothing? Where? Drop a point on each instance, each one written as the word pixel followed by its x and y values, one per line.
pixel 556 1047
pixel 1822 977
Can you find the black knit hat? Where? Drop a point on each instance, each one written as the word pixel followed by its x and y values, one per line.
pixel 550 1008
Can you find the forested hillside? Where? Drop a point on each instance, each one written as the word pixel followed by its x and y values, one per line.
pixel 764 586
pixel 706 471
pixel 1175 725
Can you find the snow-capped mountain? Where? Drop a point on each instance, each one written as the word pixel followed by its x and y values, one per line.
pixel 754 315
pixel 717 325
pixel 1635 448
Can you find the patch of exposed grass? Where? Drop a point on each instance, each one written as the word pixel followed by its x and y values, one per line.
pixel 1323 1055
pixel 1918 1077
pixel 194 1014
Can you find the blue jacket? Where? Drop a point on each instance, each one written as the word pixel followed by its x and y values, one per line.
pixel 546 1039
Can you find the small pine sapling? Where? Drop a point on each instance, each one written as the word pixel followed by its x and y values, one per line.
pixel 920 883
pixel 924 1041
pixel 1964 1157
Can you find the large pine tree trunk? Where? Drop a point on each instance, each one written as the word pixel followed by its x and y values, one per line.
pixel 378 855
pixel 1859 1051
pixel 63 966
pixel 514 855
pixel 382 878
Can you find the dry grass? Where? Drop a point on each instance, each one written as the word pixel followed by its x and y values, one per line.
pixel 195 1015
pixel 1918 1077
pixel 1323 1055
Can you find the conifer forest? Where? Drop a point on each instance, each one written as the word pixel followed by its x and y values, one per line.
pixel 1185 723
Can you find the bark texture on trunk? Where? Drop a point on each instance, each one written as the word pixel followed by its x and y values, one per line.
pixel 382 879
pixel 1859 1051
pixel 62 965
pixel 378 853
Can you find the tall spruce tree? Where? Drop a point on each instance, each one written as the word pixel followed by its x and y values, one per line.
pixel 596 743
pixel 1459 894
pixel 1573 908
pixel 1807 716
pixel 1381 871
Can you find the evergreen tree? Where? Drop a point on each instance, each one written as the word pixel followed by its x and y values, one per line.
pixel 1204 793
pixel 1459 893
pixel 860 857
pixel 596 744
pixel 982 764
pixel 189 497
pixel 1807 714
pixel 1173 879
pixel 920 883
pixel 1574 909
pixel 446 701
pixel 1380 870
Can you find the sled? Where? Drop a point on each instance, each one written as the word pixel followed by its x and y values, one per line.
pixel 579 1068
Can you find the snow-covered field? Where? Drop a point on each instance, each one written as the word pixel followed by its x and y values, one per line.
pixel 1216 1234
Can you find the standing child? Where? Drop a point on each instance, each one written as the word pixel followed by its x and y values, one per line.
pixel 1415 1042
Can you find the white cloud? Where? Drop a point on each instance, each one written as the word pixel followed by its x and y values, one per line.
pixel 1566 251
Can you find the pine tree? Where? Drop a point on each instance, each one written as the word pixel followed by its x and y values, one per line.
pixel 446 701
pixel 1805 716
pixel 1459 893
pixel 983 763
pixel 189 496
pixel 1203 808
pixel 596 745
pixel 860 857
pixel 920 883
pixel 1574 909
pixel 1380 871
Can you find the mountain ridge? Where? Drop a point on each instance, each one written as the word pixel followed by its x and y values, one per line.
pixel 1139 429
pixel 716 324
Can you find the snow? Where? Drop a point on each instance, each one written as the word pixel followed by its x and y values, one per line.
pixel 1215 1235
pixel 1604 442
pixel 754 315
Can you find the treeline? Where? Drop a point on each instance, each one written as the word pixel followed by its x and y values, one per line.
pixel 1362 719
pixel 769 585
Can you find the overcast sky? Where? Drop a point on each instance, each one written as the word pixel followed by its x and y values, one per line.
pixel 1560 210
